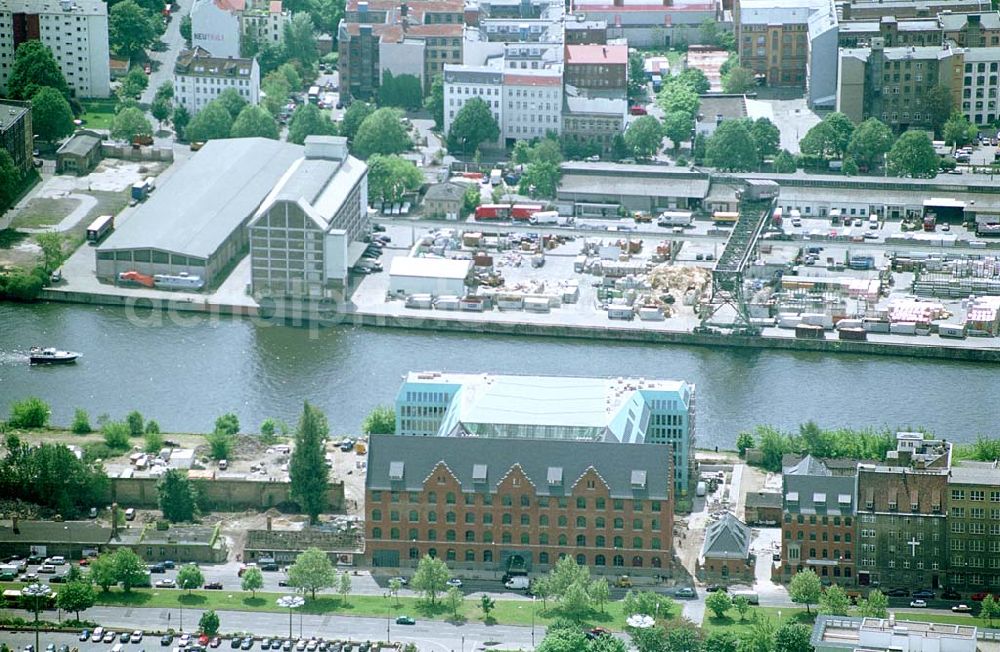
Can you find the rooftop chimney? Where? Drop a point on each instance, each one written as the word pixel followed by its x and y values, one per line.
pixel 268 523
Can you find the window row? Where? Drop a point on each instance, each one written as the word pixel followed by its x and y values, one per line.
pixel 507 500
pixel 543 558
pixel 580 541
pixel 469 518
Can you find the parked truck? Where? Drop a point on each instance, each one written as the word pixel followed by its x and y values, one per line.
pixel 550 217
pixel 517 583
pixel 675 218
pixel 140 190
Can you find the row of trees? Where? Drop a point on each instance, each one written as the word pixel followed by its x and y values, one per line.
pixel 51 476
pixel 867 444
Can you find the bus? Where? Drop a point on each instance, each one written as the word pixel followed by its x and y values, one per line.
pixel 314 94
pixel 100 227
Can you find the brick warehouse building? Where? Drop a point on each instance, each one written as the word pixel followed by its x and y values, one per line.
pixel 484 503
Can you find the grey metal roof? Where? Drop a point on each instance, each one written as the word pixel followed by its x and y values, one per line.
pixel 209 197
pixel 763 499
pixel 465 457
pixel 616 107
pixel 727 538
pixel 809 465
pixel 976 473
pixel 585 184
pixel 726 106
pixel 84 532
pixel 955 22
pixel 80 144
pixel 820 493
pixel 446 190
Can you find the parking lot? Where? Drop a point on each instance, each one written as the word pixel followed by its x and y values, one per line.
pixel 64 642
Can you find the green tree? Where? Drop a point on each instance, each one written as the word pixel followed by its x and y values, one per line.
pixel 766 138
pixel 677 126
pixel 130 29
pixel 291 75
pixel 913 155
pixel 165 90
pixel 252 580
pixel 380 421
pixel 275 89
pixel 103 572
pixel 354 116
pixel 208 624
pixel 152 427
pixel 683 637
pixel 181 120
pixel 402 91
pixel 162 108
pixel 344 587
pixel 116 434
pixel 454 598
pixel 185 28
pixel 177 496
pixel 34 68
pixel 434 102
pixel 395 584
pixel 958 131
pixel 470 199
pixel 312 571
pixel 731 147
pixel 791 637
pixel 134 84
pixel 308 120
pixel 649 639
pixel 989 609
pixel 721 640
pixel 575 600
pixel 134 423
pixel 644 136
pixel 742 605
pixel 389 179
pixel 382 133
pixel 267 428
pixel 220 444
pixel 32 412
pixel 299 39
pixel 759 637
pixel 254 122
pixel 213 121
pixel 190 577
pixel 784 162
pixel 51 115
pixel 870 141
pixel 709 33
pixel 828 138
pixel 938 104
pixel 805 588
pixel 10 181
pixel 744 441
pixel 648 603
pixel 233 101
pixel 76 596
pixel 834 601
pixel 51 245
pixel 540 179
pixel 431 577
pixel 307 469
pixel 81 424
pixel 607 644
pixel 228 423
pixel 563 640
pixel 738 80
pixel 600 592
pixel 129 569
pixel 678 96
pixel 876 605
pixel 636 77
pixel 473 125
pixel 152 442
pixel 719 603
pixel 696 79
pixel 487 605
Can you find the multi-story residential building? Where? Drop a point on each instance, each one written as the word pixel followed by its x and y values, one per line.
pixel 593 120
pixel 650 23
pixel 496 504
pixel 532 104
pixel 598 69
pixel 379 35
pixel 971 30
pixel 974 526
pixel 199 77
pixel 789 43
pixel 265 21
pixel 308 232
pixel 75 30
pixel 875 9
pixel 902 533
pixel 586 32
pixel 622 410
pixel 893 31
pixel 980 85
pixel 462 83
pixel 890 83
pixel 16 135
pixel 817 530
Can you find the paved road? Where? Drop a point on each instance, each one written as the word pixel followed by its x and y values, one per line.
pixel 436 636
pixel 163 62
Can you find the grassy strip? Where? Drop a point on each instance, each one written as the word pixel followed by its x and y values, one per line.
pixel 43 211
pixel 98 115
pixel 731 621
pixel 506 612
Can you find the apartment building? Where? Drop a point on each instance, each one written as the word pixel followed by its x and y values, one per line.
pixel 875 9
pixel 893 31
pixel 379 35
pixel 790 43
pixel 76 31
pixel 309 231
pixel 215 26
pixel 532 104
pixel 593 120
pixel 16 135
pixel 902 528
pixel 484 503
pixel 462 83
pixel 622 410
pixel 598 69
pixel 974 526
pixel 889 83
pixel 200 77
pixel 817 529
pixel 971 30
pixel 979 82
pixel 650 23
pixel 265 20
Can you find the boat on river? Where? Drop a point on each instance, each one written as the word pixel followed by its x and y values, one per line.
pixel 49 355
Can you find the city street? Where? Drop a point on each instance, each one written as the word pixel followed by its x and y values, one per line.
pixel 163 62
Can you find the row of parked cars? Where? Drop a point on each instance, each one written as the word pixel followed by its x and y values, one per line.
pixel 369 263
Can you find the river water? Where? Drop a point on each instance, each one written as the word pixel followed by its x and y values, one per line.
pixel 186 371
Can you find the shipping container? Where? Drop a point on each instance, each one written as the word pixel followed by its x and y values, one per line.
pixel 492 212
pixel 875 325
pixel 817 319
pixel 809 332
pixel 446 303
pixel 419 301
pixel 523 212
pixel 536 304
pixel 852 334
pixel 623 313
pixel 849 323
pixel 100 227
pixel 651 314
pixel 952 330
pixel 903 328
pixel 472 304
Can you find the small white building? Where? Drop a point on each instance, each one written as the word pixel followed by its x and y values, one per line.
pixel 842 634
pixel 75 30
pixel 462 83
pixel 200 77
pixel 434 276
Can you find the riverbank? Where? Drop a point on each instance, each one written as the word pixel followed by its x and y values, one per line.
pixel 508 324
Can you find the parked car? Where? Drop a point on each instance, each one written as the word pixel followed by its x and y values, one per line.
pixel 712 588
pixel 951 594
pixel 597 632
pixel 962 609
pixel 125 637
pixel 925 594
pixel 97 635
pixel 166 639
pixel 918 604
pixel 85 635
pixel 166 583
pixel 684 592
pixel 48 569
pixel 898 593
pixel 168 564
pixel 217 586
pixel 405 620
pixel 247 642
pixel 109 637
pixel 57 579
pixel 157 568
pixel 399 578
pixel 457 583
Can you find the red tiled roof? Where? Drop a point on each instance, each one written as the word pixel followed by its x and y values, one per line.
pixel 231 5
pixel 275 6
pixel 590 54
pixel 532 80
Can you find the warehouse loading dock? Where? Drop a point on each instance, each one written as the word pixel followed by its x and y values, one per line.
pixel 945 209
pixel 433 276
